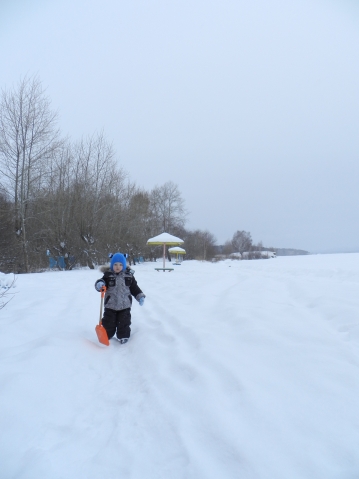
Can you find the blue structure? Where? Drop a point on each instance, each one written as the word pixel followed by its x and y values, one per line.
pixel 59 263
pixel 53 262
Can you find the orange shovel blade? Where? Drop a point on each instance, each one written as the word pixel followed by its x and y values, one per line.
pixel 102 335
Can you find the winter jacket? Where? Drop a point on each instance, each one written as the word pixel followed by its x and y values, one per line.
pixel 120 287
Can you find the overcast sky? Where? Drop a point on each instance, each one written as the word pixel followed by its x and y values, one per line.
pixel 251 107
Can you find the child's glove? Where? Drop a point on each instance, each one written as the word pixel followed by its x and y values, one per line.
pixel 141 301
pixel 99 284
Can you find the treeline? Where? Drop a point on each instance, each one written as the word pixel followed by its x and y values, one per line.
pixel 71 200
pixel 60 198
pixel 242 242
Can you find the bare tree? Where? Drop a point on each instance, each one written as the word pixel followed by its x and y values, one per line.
pixel 96 186
pixel 199 244
pixel 28 137
pixel 208 241
pixel 7 250
pixel 70 199
pixel 55 229
pixel 5 294
pixel 138 223
pixel 167 207
pixel 241 241
pixel 228 247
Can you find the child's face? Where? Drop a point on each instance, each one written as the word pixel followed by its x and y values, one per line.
pixel 117 267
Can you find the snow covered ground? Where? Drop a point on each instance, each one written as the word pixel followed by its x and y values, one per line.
pixel 235 369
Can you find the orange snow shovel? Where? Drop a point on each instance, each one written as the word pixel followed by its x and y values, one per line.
pixel 100 330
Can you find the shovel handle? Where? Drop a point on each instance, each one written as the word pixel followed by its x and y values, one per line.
pixel 103 291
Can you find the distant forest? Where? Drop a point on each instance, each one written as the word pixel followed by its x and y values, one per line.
pixel 72 200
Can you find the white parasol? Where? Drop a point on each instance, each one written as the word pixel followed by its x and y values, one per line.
pixel 176 250
pixel 165 239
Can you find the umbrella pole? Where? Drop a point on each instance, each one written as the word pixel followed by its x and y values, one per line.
pixel 164 255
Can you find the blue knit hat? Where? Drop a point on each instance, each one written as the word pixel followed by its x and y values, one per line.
pixel 118 258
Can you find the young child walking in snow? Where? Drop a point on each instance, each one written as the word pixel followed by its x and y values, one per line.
pixel 120 287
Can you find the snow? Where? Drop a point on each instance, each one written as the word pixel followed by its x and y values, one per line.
pixel 165 238
pixel 6 281
pixel 235 369
pixel 177 249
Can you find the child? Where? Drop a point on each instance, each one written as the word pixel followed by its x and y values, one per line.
pixel 120 287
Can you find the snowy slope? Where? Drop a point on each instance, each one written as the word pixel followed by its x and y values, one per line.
pixel 234 370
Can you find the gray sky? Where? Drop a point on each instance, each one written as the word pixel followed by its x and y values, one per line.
pixel 251 107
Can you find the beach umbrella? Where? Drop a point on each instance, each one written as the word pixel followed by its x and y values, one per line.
pixel 165 239
pixel 176 250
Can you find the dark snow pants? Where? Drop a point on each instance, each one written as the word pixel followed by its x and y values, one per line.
pixel 117 322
